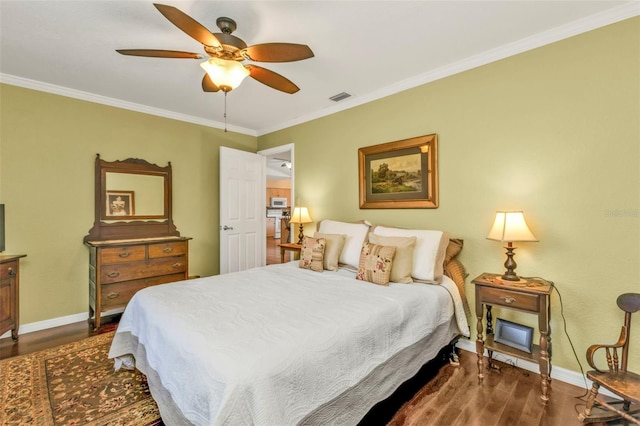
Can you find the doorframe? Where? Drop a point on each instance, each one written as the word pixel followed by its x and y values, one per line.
pixel 273 151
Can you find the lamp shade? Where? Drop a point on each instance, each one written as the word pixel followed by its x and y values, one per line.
pixel 227 75
pixel 510 226
pixel 300 215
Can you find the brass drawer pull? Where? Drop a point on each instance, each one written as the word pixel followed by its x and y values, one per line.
pixel 167 249
pixel 113 295
pixel 124 254
pixel 508 300
pixel 177 265
pixel 113 274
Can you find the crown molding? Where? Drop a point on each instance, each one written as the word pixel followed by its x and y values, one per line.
pixel 611 16
pixel 118 103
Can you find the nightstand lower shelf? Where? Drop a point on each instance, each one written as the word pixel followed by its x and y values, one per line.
pixel 491 346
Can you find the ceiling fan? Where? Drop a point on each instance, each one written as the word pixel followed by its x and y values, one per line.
pixel 224 70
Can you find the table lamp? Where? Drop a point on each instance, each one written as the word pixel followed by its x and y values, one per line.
pixel 300 215
pixel 510 227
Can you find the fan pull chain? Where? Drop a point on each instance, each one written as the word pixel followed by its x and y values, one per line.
pixel 225 111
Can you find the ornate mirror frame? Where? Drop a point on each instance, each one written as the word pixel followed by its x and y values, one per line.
pixel 107 227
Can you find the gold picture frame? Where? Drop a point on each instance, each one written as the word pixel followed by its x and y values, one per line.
pixel 399 175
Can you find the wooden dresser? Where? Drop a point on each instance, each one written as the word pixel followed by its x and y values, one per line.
pixel 9 294
pixel 119 268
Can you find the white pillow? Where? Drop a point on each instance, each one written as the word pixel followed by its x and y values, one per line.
pixel 429 253
pixel 356 234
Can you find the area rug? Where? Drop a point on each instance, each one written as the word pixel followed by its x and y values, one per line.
pixel 73 384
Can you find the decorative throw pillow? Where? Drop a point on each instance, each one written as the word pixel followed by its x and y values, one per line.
pixel 332 249
pixel 312 253
pixel 403 259
pixel 375 263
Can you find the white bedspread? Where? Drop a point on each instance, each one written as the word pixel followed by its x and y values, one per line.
pixel 269 345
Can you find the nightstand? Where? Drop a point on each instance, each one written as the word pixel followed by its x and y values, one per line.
pixel 288 247
pixel 531 296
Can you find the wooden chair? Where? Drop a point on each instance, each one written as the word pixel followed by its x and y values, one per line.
pixel 616 379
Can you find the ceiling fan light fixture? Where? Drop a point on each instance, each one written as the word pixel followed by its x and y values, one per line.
pixel 227 75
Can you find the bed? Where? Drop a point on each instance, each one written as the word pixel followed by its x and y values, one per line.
pixel 284 344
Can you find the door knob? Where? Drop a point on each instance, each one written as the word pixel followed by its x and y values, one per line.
pixel 227 228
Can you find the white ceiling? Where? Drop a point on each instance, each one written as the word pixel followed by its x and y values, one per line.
pixel 369 49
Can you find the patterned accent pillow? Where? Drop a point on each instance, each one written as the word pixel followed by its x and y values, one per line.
pixel 312 253
pixel 375 263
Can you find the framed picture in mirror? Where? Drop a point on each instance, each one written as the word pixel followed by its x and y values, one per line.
pixel 120 203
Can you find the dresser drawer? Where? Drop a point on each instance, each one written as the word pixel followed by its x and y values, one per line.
pixel 119 294
pixel 5 302
pixel 512 299
pixel 122 254
pixel 175 248
pixel 142 269
pixel 8 270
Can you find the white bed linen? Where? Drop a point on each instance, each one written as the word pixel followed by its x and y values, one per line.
pixel 271 345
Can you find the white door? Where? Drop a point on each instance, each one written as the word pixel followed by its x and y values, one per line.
pixel 242 211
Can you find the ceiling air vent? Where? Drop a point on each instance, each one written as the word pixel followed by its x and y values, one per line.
pixel 340 96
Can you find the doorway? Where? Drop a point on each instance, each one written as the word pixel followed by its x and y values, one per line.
pixel 279 189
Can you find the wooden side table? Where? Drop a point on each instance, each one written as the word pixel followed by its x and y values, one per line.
pixel 532 296
pixel 288 247
pixel 10 294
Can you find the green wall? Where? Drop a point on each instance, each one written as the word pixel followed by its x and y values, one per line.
pixel 48 145
pixel 554 131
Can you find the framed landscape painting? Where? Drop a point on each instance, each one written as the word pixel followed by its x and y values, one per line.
pixel 399 175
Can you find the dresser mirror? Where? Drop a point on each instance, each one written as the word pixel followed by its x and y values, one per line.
pixel 132 200
pixel 134 196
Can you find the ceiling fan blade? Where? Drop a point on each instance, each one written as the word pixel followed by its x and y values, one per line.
pixel 271 79
pixel 153 53
pixel 188 25
pixel 208 85
pixel 278 52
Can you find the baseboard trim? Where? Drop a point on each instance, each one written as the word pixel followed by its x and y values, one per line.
pixel 557 373
pixel 57 322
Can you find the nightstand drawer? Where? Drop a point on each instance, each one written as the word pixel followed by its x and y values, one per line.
pixel 512 299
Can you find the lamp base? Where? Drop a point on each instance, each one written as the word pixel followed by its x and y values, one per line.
pixel 510 276
pixel 300 235
pixel 510 264
pixel 504 280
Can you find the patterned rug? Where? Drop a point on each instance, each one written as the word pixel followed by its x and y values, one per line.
pixel 73 384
